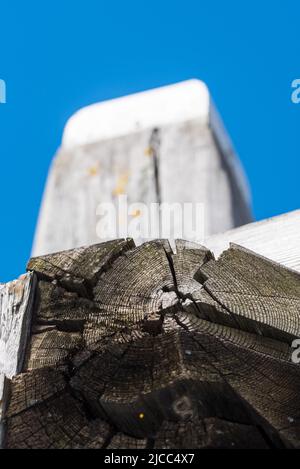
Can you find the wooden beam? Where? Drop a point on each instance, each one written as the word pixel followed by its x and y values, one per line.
pixel 141 347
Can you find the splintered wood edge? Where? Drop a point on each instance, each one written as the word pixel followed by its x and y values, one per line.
pixel 16 304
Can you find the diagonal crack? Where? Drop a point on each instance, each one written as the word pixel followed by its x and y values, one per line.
pixel 154 145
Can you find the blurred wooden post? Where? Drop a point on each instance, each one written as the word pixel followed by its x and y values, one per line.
pixel 162 146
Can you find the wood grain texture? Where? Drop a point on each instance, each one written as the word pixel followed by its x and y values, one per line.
pixel 277 238
pixel 16 302
pixel 156 349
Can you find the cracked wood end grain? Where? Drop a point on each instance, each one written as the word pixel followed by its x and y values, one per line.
pixel 141 347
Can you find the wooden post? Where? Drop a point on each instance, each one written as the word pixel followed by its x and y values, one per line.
pixel 139 347
pixel 122 346
pixel 165 146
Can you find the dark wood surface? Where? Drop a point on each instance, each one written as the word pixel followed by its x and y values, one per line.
pixel 143 348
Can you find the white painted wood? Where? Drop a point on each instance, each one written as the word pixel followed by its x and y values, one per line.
pixel 277 238
pixel 153 108
pixel 16 300
pixel 179 153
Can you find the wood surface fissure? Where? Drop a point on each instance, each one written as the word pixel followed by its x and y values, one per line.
pixel 154 352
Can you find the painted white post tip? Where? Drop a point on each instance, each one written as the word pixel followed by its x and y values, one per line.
pixel 153 108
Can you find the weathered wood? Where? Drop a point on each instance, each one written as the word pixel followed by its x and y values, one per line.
pixel 141 347
pixel 2 404
pixel 276 238
pixel 16 301
pixel 163 146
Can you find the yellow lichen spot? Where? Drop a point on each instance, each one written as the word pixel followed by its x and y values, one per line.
pixel 121 184
pixel 149 151
pixel 93 170
pixel 141 416
pixel 16 288
pixel 136 213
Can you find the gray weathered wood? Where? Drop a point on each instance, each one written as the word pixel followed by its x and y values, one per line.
pixel 16 301
pixel 277 239
pixel 141 347
pixel 169 147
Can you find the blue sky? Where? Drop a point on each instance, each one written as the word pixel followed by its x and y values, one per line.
pixel 61 55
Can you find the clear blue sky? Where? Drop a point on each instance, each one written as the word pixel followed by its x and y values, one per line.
pixel 61 55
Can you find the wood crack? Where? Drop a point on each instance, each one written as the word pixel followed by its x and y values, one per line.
pixel 165 350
